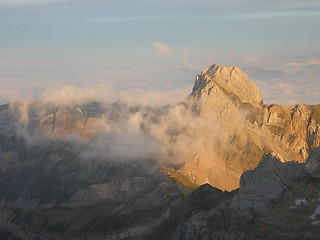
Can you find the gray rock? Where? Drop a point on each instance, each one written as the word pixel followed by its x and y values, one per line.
pixel 312 166
pixel 261 187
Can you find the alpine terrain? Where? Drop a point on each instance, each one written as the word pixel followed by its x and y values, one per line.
pixel 221 164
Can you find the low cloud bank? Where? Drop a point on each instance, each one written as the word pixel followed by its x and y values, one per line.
pixel 63 95
pixel 127 130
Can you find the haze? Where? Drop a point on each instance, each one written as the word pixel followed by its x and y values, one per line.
pixel 157 46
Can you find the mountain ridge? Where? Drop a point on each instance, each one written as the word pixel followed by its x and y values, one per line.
pixel 246 128
pixel 121 171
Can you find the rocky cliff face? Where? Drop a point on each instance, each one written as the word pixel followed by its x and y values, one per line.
pixel 276 200
pixel 248 129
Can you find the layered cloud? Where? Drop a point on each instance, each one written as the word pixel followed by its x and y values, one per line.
pixel 7 94
pixel 161 48
pixel 71 95
pixel 153 83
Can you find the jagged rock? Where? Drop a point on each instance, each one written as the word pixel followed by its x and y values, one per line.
pixel 261 187
pixel 259 190
pixel 65 122
pixel 232 80
pixel 292 216
pixel 246 128
pixel 312 167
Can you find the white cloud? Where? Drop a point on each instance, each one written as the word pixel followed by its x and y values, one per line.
pixel 68 94
pixel 7 94
pixel 71 95
pixel 155 97
pixel 161 48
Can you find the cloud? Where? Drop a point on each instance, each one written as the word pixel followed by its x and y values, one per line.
pixel 72 95
pixel 148 84
pixel 6 63
pixel 314 61
pixel 155 97
pixel 16 89
pixel 7 94
pixel 161 48
pixel 128 130
pixel 123 140
pixel 36 77
pixel 31 62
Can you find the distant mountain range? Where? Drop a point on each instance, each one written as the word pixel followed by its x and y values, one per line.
pixel 121 171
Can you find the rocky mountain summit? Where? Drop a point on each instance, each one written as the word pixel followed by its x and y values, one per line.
pixel 118 171
pixel 248 129
pixel 231 80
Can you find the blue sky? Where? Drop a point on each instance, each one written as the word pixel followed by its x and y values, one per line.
pixel 158 44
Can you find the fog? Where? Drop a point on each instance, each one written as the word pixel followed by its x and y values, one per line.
pixel 118 128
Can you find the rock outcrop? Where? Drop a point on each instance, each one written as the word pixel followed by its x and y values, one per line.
pixel 261 187
pixel 275 200
pixel 230 80
pixel 65 122
pixel 246 129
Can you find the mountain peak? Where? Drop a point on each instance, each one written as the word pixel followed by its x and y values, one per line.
pixel 221 70
pixel 231 79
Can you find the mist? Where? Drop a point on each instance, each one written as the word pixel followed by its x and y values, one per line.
pixel 120 128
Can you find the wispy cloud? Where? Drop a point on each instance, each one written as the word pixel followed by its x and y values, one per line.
pixel 162 48
pixel 298 78
pixel 68 94
pixel 73 95
pixel 6 63
pixel 7 94
pixel 31 62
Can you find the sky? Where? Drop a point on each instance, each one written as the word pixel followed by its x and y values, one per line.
pixel 153 49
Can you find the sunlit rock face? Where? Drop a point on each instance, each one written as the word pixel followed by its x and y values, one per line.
pixel 66 121
pixel 232 80
pixel 276 199
pixel 244 127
